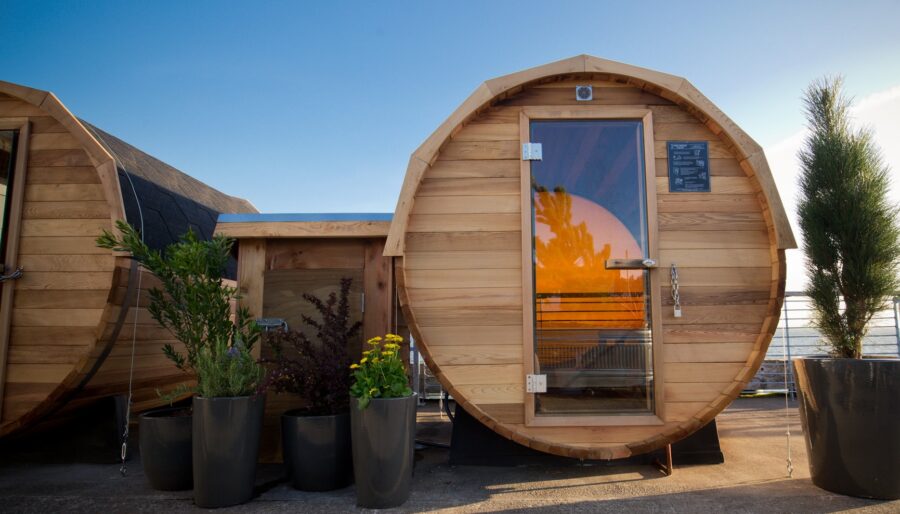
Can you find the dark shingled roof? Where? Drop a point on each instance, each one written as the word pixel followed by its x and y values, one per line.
pixel 171 202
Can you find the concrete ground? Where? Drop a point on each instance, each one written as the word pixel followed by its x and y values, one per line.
pixel 752 479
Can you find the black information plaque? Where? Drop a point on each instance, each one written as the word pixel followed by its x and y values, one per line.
pixel 688 166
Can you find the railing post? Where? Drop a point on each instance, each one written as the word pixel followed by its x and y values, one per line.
pixel 787 345
pixel 897 321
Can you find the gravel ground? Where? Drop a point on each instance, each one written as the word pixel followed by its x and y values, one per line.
pixel 753 479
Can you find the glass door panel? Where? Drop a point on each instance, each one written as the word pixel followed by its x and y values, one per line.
pixel 592 324
pixel 7 164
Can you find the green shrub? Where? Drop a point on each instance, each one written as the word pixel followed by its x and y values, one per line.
pixel 195 305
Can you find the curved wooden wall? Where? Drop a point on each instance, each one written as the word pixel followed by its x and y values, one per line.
pixel 61 351
pixel 460 277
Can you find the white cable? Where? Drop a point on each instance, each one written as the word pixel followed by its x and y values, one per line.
pixel 137 302
pixel 787 393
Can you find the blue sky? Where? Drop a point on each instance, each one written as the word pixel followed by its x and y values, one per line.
pixel 305 107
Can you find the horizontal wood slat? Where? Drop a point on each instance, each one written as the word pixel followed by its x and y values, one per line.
pixel 63 192
pixel 480 150
pixel 66 210
pixel 464 260
pixel 493 168
pixel 462 241
pixel 466 204
pixel 475 278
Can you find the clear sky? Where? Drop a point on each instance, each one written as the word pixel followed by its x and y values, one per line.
pixel 315 107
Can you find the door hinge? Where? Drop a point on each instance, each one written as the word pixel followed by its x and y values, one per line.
pixel 535 383
pixel 531 152
pixel 362 302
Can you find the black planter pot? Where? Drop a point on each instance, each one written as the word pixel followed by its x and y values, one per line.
pixel 383 450
pixel 165 441
pixel 317 451
pixel 225 449
pixel 850 410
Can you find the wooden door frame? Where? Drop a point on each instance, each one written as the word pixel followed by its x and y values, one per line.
pixel 14 229
pixel 592 112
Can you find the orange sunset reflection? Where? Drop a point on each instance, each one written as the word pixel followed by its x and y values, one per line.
pixel 573 239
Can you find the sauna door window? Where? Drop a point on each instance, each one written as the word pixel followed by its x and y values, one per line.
pixel 593 336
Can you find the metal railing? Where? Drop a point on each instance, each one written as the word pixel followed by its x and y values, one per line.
pixel 796 337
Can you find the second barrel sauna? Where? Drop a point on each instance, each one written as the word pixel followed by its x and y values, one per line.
pixel 590 257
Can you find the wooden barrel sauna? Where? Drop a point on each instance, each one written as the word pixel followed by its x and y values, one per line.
pixel 536 234
pixel 65 339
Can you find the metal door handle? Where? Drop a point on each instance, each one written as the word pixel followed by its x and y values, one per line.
pixel 630 263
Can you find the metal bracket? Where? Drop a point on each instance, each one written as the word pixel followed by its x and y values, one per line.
pixel 535 383
pixel 15 275
pixel 268 324
pixel 532 152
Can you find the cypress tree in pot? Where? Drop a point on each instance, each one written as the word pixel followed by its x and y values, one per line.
pixel 196 305
pixel 316 438
pixel 850 405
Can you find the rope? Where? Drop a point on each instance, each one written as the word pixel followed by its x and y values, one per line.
pixel 787 409
pixel 123 469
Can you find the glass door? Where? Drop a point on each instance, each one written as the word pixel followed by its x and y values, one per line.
pixel 591 260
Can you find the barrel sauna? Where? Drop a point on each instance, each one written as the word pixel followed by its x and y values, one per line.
pixel 65 339
pixel 535 237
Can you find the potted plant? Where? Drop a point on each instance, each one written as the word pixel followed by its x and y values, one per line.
pixel 383 424
pixel 316 438
pixel 849 405
pixel 196 305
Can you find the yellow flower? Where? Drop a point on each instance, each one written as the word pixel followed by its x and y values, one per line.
pixel 367 352
pixel 387 354
pixel 364 360
pixel 376 360
pixel 354 366
pixel 373 391
pixel 391 346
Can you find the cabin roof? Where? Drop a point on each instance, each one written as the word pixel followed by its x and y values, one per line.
pixel 305 224
pixel 678 89
pixel 170 201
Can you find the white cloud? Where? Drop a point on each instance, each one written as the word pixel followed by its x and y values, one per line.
pixel 879 111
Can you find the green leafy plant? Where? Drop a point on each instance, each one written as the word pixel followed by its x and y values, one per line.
pixel 195 305
pixel 316 369
pixel 380 372
pixel 851 231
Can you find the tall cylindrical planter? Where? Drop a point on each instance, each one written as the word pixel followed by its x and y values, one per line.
pixel 165 441
pixel 850 411
pixel 383 450
pixel 225 448
pixel 317 451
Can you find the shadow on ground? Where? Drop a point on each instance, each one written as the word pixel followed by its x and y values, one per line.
pixel 753 479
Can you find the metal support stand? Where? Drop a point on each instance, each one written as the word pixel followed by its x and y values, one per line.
pixel 666 468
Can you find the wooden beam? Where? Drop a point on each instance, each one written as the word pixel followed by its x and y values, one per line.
pixel 378 288
pixel 251 267
pixel 271 229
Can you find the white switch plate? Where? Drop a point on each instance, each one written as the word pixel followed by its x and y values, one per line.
pixel 536 383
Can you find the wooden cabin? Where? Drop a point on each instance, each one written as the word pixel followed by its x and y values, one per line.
pixel 283 256
pixel 538 236
pixel 65 339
